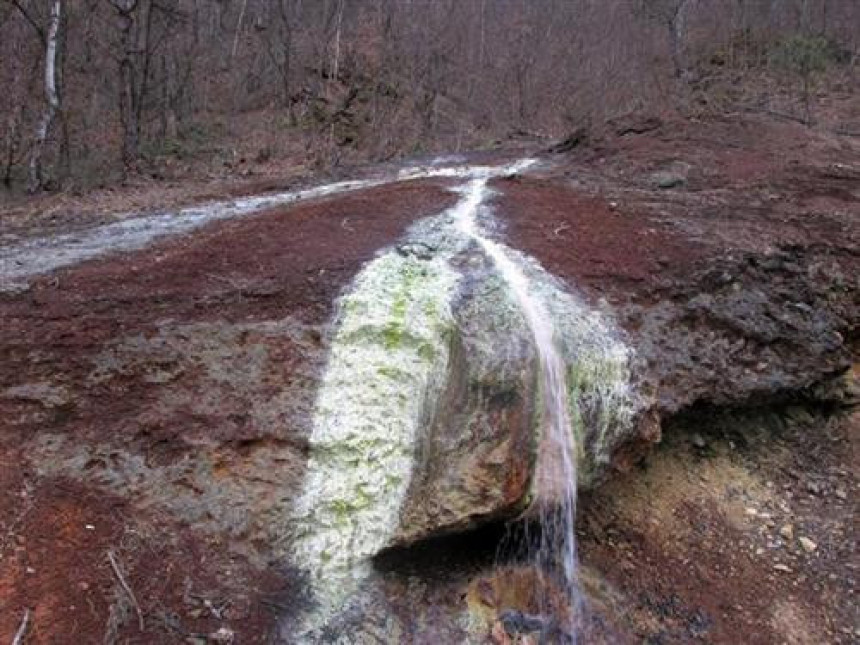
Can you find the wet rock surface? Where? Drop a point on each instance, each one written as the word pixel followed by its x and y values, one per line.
pixel 738 287
pixel 169 392
pixel 475 461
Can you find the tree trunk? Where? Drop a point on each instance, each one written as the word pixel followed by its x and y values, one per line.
pixel 677 33
pixel 127 92
pixel 238 30
pixel 11 146
pixel 52 97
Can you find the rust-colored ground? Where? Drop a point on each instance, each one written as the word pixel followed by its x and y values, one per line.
pixel 180 377
pixel 54 548
pixel 591 240
pixel 154 374
pixel 750 185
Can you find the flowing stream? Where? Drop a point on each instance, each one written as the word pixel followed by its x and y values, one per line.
pixel 388 363
pixel 390 360
pixel 555 472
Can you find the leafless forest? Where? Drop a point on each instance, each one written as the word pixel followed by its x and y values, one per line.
pixel 92 91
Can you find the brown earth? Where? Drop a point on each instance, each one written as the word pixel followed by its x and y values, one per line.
pixel 161 393
pixel 54 562
pixel 177 378
pixel 705 541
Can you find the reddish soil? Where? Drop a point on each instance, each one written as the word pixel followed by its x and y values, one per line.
pixel 748 185
pixel 54 548
pixel 178 378
pixel 110 358
pixel 590 241
pixel 292 260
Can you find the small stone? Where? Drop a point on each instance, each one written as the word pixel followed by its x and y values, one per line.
pixel 787 532
pixel 814 488
pixel 31 570
pixel 841 494
pixel 751 512
pixel 223 635
pixel 808 545
pixel 698 441
pixel 782 567
pixel 666 180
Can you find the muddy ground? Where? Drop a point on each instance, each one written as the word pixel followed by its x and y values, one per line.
pixel 154 404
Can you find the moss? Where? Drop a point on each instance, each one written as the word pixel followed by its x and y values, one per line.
pixel 392 335
pixel 391 372
pixel 392 481
pixel 427 352
pixel 387 363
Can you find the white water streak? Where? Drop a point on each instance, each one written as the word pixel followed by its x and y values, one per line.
pixel 23 260
pixel 388 363
pixel 556 474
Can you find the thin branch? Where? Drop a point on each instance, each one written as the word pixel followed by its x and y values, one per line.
pixel 126 588
pixel 30 20
pixel 22 628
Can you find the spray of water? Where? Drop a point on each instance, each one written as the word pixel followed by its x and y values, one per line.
pixel 555 474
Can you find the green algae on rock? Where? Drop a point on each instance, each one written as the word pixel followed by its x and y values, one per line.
pixel 387 366
pixel 432 412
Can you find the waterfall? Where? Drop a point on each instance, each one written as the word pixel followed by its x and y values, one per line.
pixel 388 365
pixel 555 478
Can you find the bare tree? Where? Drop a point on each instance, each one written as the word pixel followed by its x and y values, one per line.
pixel 128 97
pixel 49 40
pixel 373 79
pixel 670 14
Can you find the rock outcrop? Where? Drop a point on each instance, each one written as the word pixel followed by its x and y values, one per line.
pixel 187 380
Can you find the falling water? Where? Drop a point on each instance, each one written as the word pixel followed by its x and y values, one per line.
pixel 387 367
pixel 555 474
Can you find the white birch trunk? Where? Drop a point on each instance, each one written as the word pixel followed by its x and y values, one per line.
pixel 52 97
pixel 336 65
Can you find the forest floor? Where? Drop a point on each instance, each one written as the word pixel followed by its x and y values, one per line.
pixel 154 404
